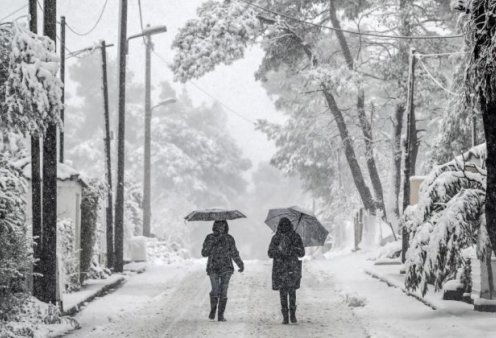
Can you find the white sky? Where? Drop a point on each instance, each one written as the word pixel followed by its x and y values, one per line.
pixel 233 85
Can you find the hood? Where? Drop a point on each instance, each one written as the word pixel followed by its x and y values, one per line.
pixel 220 227
pixel 284 225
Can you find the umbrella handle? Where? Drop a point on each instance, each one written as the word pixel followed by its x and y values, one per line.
pixel 299 220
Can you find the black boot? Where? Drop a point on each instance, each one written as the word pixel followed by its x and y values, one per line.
pixel 222 308
pixel 213 306
pixel 292 314
pixel 285 316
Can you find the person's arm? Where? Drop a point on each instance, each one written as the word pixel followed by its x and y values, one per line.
pixel 208 245
pixel 273 250
pixel 235 254
pixel 298 248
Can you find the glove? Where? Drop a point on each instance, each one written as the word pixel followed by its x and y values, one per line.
pixel 241 268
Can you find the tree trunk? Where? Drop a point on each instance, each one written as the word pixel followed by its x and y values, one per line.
pixel 349 152
pixel 489 118
pixel 364 122
pixel 396 148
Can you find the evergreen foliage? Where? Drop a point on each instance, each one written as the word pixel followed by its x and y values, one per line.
pixel 16 257
pixel 92 196
pixel 448 218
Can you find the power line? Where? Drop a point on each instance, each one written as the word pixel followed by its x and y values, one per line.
pixel 221 103
pixel 14 12
pixel 210 95
pixel 439 84
pixel 94 26
pixel 376 35
pixel 141 15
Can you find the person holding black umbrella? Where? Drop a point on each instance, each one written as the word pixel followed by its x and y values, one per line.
pixel 220 248
pixel 285 248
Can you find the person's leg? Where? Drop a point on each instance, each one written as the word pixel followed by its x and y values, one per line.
pixel 283 294
pixel 292 305
pixel 214 294
pixel 224 285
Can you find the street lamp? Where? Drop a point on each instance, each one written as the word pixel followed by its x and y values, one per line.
pixel 147 35
pixel 147 207
pixel 165 102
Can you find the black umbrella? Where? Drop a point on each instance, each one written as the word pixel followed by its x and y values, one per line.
pixel 214 215
pixel 305 223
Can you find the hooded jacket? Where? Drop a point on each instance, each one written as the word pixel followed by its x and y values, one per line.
pixel 285 248
pixel 220 248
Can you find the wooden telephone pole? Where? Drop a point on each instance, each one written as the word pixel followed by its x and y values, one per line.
pixel 110 226
pixel 410 148
pixel 36 181
pixel 119 198
pixel 49 213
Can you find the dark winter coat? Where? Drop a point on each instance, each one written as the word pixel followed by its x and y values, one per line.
pixel 220 248
pixel 285 248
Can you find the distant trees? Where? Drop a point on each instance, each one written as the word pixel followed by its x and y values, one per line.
pixel 195 160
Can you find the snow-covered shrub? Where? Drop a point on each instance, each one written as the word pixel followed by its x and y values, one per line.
pixel 32 91
pixel 68 254
pixel 92 196
pixel 219 35
pixel 36 319
pixel 165 252
pixel 355 300
pixel 448 218
pixel 133 209
pixel 96 271
pixel 16 256
pixel 389 250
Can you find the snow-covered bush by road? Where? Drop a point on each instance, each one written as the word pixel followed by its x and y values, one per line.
pixel 448 218
pixel 165 252
pixel 15 246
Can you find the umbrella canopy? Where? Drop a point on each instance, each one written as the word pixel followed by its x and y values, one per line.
pixel 214 215
pixel 305 223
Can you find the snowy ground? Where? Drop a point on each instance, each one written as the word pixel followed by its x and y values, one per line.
pixel 172 301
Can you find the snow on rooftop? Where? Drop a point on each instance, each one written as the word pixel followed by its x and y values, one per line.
pixel 64 171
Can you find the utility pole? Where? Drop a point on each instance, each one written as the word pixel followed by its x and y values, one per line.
pixel 119 198
pixel 36 181
pixel 147 210
pixel 110 227
pixel 49 238
pixel 62 78
pixel 410 145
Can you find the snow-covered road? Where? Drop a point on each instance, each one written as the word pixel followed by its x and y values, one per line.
pixel 172 301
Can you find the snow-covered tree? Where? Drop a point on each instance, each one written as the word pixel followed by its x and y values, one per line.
pixel 31 91
pixel 355 79
pixel 448 218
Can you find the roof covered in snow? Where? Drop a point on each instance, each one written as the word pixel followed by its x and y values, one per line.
pixel 64 171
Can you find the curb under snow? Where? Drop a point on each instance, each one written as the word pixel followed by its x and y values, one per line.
pixel 105 288
pixel 398 285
